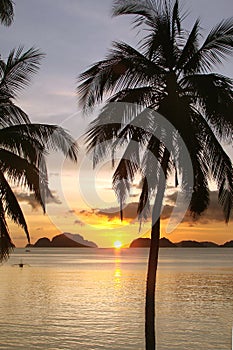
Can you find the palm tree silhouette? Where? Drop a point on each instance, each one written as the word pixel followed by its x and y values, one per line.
pixel 23 145
pixel 170 73
pixel 6 12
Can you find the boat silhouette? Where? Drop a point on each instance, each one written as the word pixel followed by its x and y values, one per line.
pixel 21 264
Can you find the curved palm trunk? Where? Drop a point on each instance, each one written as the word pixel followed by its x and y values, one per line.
pixel 153 258
pixel 150 287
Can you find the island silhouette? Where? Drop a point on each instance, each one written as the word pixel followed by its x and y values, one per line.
pixel 166 243
pixel 77 241
pixel 65 239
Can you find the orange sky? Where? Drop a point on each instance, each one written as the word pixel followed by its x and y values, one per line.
pixel 88 207
pixel 105 232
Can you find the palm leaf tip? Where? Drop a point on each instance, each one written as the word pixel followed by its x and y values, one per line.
pixel 121 211
pixel 226 201
pixel 54 137
pixel 6 245
pixel 67 144
pixel 176 17
pixel 6 12
pixel 218 44
pixel 19 68
pixel 6 248
pixel 122 7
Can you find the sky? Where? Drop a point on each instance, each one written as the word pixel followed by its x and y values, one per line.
pixel 74 34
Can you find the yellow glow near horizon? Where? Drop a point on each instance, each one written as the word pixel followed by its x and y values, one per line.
pixel 117 244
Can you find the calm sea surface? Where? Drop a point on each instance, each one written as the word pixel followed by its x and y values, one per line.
pixel 79 299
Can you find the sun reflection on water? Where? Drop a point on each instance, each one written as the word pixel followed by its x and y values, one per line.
pixel 117 270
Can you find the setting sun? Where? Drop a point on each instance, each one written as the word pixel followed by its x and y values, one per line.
pixel 117 244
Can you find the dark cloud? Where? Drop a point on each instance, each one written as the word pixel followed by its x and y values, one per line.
pixel 129 212
pixel 30 199
pixel 73 212
pixel 79 222
pixel 213 213
pixel 88 212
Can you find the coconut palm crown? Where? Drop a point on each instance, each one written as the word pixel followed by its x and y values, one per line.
pixel 170 73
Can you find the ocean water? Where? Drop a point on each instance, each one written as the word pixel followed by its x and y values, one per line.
pixel 79 299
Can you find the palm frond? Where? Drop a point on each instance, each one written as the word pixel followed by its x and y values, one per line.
pixel 41 137
pixel 6 244
pixel 191 46
pixel 22 144
pixel 159 45
pixel 150 173
pixel 107 127
pixel 144 96
pixel 213 92
pixel 22 173
pixel 6 12
pixel 11 206
pixel 137 123
pixel 189 138
pixel 219 163
pixel 161 186
pixel 124 68
pixel 143 209
pixel 226 200
pixel 18 69
pixel 10 114
pixel 162 19
pixel 200 196
pixel 200 192
pixel 145 12
pixel 54 137
pixel 176 20
pixel 217 46
pixel 125 173
pixel 103 131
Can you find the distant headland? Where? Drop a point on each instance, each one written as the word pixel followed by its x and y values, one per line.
pixel 166 243
pixel 65 239
pixel 75 240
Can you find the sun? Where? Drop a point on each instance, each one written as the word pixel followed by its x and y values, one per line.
pixel 117 244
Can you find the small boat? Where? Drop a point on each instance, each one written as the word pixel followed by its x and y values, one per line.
pixel 20 264
pixel 27 250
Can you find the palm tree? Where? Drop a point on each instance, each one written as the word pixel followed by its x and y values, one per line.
pixel 170 73
pixel 6 12
pixel 23 145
